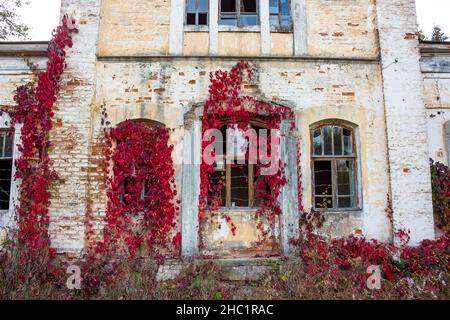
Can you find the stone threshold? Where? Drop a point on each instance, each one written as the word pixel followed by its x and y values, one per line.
pixel 231 269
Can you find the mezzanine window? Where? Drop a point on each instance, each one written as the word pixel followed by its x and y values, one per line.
pixel 238 12
pixel 197 12
pixel 280 13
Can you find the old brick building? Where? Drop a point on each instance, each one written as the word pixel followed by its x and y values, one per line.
pixel 348 69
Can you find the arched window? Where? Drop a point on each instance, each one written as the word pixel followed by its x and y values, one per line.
pixel 334 167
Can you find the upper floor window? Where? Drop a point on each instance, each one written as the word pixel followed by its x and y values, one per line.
pixel 238 12
pixel 334 163
pixel 6 164
pixel 280 13
pixel 197 12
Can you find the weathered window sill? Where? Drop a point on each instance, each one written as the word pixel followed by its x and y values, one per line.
pixel 223 28
pixel 191 28
pixel 274 29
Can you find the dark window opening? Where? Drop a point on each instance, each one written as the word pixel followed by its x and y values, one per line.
pixel 197 12
pixel 233 183
pixel 334 168
pixel 238 12
pixel 6 164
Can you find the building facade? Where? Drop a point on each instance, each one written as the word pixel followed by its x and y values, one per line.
pixel 369 111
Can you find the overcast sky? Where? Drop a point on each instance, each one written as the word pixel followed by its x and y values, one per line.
pixel 43 15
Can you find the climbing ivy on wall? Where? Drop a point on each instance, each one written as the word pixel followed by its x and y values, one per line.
pixel 225 101
pixel 440 175
pixel 142 208
pixel 35 112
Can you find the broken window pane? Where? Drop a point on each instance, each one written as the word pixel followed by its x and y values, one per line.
pixel 323 178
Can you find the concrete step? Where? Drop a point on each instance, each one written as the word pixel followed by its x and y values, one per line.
pixel 247 269
pixel 235 269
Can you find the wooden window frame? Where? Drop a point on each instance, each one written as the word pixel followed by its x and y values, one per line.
pixel 237 14
pixel 333 159
pixel 197 13
pixel 251 173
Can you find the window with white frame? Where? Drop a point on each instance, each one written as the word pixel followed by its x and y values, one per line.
pixel 280 13
pixel 239 12
pixel 6 165
pixel 197 12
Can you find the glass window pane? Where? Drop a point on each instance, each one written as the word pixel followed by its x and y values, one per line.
pixel 322 178
pixel 348 142
pixel 203 19
pixel 285 21
pixel 239 186
pixel 190 19
pixel 228 20
pixel 346 180
pixel 5 183
pixel 328 148
pixel 203 5
pixel 317 141
pixel 248 6
pixel 190 5
pixel 228 6
pixel 2 140
pixel 273 6
pixel 346 202
pixel 9 145
pixel 284 6
pixel 337 136
pixel 274 20
pixel 248 20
